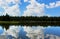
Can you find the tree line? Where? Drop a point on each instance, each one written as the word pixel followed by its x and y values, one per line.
pixel 28 18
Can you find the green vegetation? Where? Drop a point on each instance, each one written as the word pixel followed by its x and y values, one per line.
pixel 7 20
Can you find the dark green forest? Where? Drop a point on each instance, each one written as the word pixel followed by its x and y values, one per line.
pixel 28 18
pixel 7 20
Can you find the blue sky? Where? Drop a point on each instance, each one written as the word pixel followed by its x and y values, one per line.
pixel 50 11
pixel 30 7
pixel 53 11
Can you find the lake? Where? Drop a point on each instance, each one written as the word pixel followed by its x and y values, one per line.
pixel 27 32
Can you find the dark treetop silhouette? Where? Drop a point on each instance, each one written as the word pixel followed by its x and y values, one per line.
pixel 29 20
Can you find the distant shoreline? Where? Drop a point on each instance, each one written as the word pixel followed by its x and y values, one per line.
pixel 31 23
pixel 6 24
pixel 6 21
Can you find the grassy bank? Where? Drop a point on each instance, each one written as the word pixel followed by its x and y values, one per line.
pixel 9 22
pixel 6 24
pixel 32 23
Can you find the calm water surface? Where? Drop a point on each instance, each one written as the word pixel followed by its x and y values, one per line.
pixel 26 32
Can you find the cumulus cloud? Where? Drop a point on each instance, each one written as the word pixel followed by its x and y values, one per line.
pixel 34 9
pixel 57 3
pixel 53 5
pixel 37 9
pixel 26 0
pixel 57 37
pixel 51 36
pixel 34 31
pixel 11 10
pixel 13 1
pixel 13 31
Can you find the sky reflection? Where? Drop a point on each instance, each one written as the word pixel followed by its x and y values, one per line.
pixel 24 32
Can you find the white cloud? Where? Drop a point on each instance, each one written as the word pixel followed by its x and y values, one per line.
pixel 13 31
pixel 11 10
pixel 13 1
pixel 37 9
pixel 51 36
pixel 1 28
pixel 53 5
pixel 3 37
pixel 26 0
pixel 57 37
pixel 34 32
pixel 57 3
pixel 34 9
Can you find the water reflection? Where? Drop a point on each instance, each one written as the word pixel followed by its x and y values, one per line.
pixel 27 32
